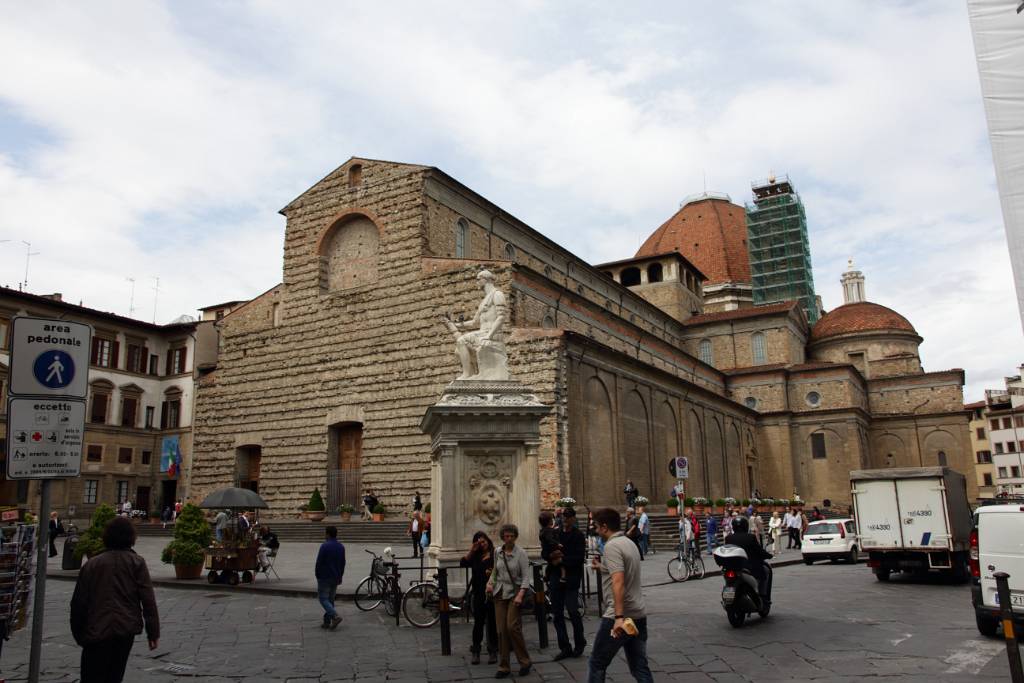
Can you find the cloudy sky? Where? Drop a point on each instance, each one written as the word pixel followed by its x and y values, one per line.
pixel 145 139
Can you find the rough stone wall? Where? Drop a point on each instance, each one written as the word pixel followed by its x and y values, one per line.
pixel 732 345
pixel 767 388
pixel 672 297
pixel 818 478
pixel 838 388
pixel 918 441
pixel 920 394
pixel 886 355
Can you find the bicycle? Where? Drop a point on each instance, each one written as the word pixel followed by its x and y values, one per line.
pixel 380 586
pixel 685 564
pixel 421 604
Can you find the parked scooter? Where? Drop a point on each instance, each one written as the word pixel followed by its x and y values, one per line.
pixel 741 595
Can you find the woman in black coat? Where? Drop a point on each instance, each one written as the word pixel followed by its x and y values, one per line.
pixel 480 559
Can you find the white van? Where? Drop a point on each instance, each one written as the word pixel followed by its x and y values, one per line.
pixel 997 545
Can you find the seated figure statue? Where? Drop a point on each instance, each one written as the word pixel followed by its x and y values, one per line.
pixel 482 350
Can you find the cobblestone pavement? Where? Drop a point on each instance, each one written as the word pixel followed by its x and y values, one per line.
pixel 829 623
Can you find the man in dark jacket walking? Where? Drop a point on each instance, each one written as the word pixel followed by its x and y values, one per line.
pixel 330 568
pixel 112 599
pixel 564 585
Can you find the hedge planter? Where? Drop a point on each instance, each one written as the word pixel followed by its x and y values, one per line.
pixel 378 516
pixel 188 571
pixel 346 516
pixel 314 515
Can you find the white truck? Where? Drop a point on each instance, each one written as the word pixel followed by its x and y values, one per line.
pixel 913 519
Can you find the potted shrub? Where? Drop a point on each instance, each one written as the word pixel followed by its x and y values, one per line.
pixel 719 505
pixel 346 510
pixel 672 505
pixel 188 548
pixel 315 509
pixel 426 511
pixel 688 502
pixel 781 504
pixel 378 512
pixel 90 543
pixel 566 503
pixel 745 503
pixel 699 503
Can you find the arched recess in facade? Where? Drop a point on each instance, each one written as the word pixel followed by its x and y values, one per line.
pixel 735 467
pixel 600 484
pixel 889 451
pixel 813 474
pixel 636 443
pixel 940 441
pixel 750 458
pixel 348 250
pixel 716 458
pixel 698 482
pixel 666 447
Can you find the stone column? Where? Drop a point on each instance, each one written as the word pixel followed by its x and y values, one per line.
pixel 485 437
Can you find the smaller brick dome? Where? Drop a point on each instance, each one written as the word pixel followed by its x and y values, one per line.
pixel 862 316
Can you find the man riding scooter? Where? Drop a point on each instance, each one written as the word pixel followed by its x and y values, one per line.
pixel 756 555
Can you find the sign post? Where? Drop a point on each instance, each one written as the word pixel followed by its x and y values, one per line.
pixel 49 378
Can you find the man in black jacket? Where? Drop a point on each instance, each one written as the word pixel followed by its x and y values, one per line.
pixel 756 555
pixel 564 585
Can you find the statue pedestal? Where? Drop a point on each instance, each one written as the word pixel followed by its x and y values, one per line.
pixel 484 441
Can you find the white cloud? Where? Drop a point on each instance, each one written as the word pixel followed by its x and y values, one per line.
pixel 161 138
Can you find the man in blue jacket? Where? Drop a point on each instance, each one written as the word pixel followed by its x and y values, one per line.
pixel 330 568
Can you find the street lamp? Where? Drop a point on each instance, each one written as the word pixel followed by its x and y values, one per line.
pixel 28 255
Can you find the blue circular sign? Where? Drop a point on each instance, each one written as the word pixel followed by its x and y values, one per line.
pixel 54 369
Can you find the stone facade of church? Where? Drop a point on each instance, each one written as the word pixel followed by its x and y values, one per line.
pixel 321 381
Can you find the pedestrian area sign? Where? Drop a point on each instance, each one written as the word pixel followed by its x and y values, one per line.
pixel 49 358
pixel 49 378
pixel 45 438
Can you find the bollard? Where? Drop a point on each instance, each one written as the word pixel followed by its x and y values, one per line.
pixel 396 594
pixel 444 608
pixel 1006 608
pixel 538 607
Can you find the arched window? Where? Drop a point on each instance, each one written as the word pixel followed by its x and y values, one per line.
pixel 630 277
pixel 355 175
pixel 655 273
pixel 942 459
pixel 549 322
pixel 348 254
pixel 757 347
pixel 510 252
pixel 461 238
pixel 705 352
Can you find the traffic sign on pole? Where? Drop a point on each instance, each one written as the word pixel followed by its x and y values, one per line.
pixel 49 358
pixel 44 437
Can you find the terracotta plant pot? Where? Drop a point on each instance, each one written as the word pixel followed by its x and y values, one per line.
pixel 698 510
pixel 188 571
pixel 673 512
pixel 346 516
pixel 378 517
pixel 314 516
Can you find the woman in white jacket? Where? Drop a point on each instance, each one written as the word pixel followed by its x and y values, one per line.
pixel 775 529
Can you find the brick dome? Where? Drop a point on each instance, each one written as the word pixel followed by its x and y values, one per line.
pixel 862 316
pixel 711 232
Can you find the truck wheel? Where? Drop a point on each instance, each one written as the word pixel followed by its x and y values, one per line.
pixel 852 559
pixel 986 625
pixel 882 574
pixel 961 571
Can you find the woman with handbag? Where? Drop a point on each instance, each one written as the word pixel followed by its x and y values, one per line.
pixel 508 587
pixel 480 559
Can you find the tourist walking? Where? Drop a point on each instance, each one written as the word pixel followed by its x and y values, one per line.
pixel 794 526
pixel 711 528
pixel 417 502
pixel 643 525
pixel 564 581
pixel 624 617
pixel 177 509
pixel 369 502
pixel 56 529
pixel 480 560
pixel 630 492
pixel 166 516
pixel 113 600
pixel 757 526
pixel 775 531
pixel 507 587
pixel 330 569
pixel 415 532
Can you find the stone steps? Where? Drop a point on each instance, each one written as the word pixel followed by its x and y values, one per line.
pixel 302 531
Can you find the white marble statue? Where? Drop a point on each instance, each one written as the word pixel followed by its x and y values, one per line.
pixel 482 351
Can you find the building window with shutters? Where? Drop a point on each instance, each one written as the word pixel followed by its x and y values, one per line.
pixel 757 346
pixel 136 358
pixel 122 491
pixel 988 479
pixel 150 414
pixel 104 352
pixel 154 364
pixel 94 453
pixel 705 352
pixel 124 456
pixel 146 457
pixel 170 411
pixel 98 408
pixel 818 446
pixel 176 360
pixel 90 491
pixel 129 410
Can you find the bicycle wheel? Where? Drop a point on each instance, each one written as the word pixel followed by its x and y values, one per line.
pixel 678 569
pixel 392 597
pixel 369 593
pixel 421 605
pixel 697 567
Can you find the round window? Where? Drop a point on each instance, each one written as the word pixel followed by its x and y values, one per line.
pixel 750 402
pixel 813 399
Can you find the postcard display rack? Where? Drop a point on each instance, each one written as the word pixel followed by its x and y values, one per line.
pixel 17 569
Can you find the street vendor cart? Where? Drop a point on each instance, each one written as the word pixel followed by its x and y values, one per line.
pixel 235 558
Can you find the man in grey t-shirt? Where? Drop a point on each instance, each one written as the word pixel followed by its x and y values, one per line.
pixel 623 599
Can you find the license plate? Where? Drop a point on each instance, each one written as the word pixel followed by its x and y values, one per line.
pixel 728 594
pixel 821 541
pixel 1016 599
